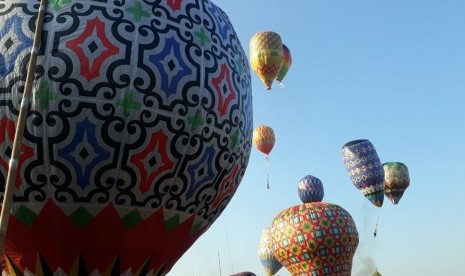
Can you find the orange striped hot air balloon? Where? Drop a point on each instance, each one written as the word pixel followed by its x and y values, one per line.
pixel 263 139
pixel 266 56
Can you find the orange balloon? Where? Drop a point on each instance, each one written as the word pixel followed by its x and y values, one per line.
pixel 263 139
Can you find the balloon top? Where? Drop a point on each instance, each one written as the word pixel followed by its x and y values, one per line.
pixel 354 142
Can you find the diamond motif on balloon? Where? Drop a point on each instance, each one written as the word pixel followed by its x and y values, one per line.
pixel 7 134
pixel 171 66
pixel 201 171
pixel 84 152
pixel 92 47
pixel 12 43
pixel 224 89
pixel 154 158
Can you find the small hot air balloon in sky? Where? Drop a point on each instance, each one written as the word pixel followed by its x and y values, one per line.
pixel 263 138
pixel 310 189
pixel 265 254
pixel 266 56
pixel 376 273
pixel 365 169
pixel 121 167
pixel 287 62
pixel 396 180
pixel 315 238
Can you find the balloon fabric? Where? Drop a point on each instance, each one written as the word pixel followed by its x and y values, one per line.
pixel 138 134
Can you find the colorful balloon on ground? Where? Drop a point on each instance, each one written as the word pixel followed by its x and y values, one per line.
pixel 365 169
pixel 266 56
pixel 265 254
pixel 287 62
pixel 396 180
pixel 310 189
pixel 138 135
pixel 316 238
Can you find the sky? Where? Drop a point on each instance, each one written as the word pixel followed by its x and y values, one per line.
pixel 390 71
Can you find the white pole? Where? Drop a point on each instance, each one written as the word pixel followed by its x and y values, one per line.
pixel 22 117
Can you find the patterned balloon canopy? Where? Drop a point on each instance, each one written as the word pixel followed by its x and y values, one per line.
pixel 266 56
pixel 266 255
pixel 310 189
pixel 396 180
pixel 263 139
pixel 138 135
pixel 365 169
pixel 316 238
pixel 287 62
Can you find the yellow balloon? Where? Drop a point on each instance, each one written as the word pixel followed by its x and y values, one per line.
pixel 266 56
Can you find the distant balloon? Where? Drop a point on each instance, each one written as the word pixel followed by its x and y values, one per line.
pixel 266 56
pixel 316 238
pixel 138 135
pixel 263 139
pixel 365 169
pixel 287 62
pixel 265 254
pixel 310 189
pixel 376 273
pixel 396 180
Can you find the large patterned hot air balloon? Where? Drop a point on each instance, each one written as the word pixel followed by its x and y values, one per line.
pixel 263 139
pixel 365 169
pixel 266 255
pixel 287 62
pixel 310 189
pixel 396 180
pixel 138 134
pixel 266 56
pixel 316 238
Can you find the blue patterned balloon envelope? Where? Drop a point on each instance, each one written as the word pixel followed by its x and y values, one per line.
pixel 365 169
pixel 310 189
pixel 138 136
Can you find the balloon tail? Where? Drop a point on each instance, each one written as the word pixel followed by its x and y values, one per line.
pixel 267 165
pixel 376 226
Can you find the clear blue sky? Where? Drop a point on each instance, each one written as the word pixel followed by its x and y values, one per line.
pixel 390 71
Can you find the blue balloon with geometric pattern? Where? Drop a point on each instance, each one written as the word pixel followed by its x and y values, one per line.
pixel 310 189
pixel 365 169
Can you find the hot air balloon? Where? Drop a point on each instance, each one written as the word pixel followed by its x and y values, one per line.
pixel 287 62
pixel 266 56
pixel 365 169
pixel 396 180
pixel 245 273
pixel 315 238
pixel 310 189
pixel 376 273
pixel 136 139
pixel 265 254
pixel 263 138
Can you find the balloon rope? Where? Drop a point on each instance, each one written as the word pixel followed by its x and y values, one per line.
pixel 282 85
pixel 219 260
pixel 227 242
pixel 267 165
pixel 17 142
